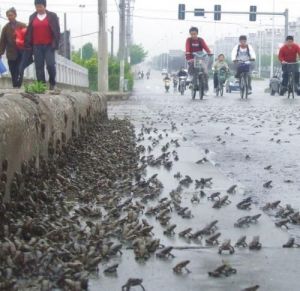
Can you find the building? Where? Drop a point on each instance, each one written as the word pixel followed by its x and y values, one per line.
pixel 225 46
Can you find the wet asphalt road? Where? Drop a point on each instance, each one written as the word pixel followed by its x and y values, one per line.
pixel 241 138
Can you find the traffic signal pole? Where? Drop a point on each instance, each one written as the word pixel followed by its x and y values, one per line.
pixel 285 14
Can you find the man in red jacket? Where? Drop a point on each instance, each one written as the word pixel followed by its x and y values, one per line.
pixel 195 44
pixel 288 56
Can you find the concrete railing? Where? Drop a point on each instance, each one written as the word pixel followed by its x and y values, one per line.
pixel 35 128
pixel 68 72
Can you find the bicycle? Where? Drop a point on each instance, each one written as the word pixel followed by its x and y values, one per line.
pixel 244 68
pixel 222 74
pixel 291 70
pixel 199 74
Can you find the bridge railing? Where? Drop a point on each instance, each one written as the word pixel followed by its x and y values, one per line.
pixel 67 72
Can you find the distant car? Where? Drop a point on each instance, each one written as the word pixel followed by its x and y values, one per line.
pixel 164 72
pixel 232 84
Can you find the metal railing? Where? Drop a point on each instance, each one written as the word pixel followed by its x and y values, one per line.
pixel 67 72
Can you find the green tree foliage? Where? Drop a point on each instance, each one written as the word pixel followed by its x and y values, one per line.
pixel 88 51
pixel 137 54
pixel 90 61
pixel 266 60
pixel 114 75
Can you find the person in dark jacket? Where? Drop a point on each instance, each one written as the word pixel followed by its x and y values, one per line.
pixel 42 36
pixel 12 46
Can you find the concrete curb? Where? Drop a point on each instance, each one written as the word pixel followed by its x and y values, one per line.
pixel 5 83
pixel 117 96
pixel 34 128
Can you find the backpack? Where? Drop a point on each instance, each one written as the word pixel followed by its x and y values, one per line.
pixel 238 50
pixel 20 37
pixel 200 43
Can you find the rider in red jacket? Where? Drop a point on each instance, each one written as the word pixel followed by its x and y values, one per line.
pixel 288 55
pixel 195 44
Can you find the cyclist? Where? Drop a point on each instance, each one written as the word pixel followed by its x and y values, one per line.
pixel 220 64
pixel 243 52
pixel 195 44
pixel 288 54
pixel 182 73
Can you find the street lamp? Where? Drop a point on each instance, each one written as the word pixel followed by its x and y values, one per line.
pixel 81 6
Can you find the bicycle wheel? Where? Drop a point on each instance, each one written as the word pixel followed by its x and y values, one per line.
pixel 242 86
pixel 182 90
pixel 291 86
pixel 222 90
pixel 201 87
pixel 194 91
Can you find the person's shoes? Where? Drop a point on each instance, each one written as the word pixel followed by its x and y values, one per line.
pixel 52 87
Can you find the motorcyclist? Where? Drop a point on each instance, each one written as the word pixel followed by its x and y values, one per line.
pixel 288 54
pixel 219 64
pixel 182 73
pixel 167 81
pixel 167 78
pixel 274 85
pixel 175 82
pixel 193 45
pixel 243 52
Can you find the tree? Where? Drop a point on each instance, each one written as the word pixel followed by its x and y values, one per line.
pixel 137 54
pixel 90 61
pixel 88 51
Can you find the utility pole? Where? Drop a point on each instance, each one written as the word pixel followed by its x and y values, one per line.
pixel 272 44
pixel 286 15
pixel 122 44
pixel 65 36
pixel 81 6
pixel 102 48
pixel 112 32
pixel 259 52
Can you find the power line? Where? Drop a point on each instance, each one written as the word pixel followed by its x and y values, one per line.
pixel 193 21
pixel 87 34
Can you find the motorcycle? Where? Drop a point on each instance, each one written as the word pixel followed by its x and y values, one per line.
pixel 167 85
pixel 175 84
pixel 182 84
pixel 275 86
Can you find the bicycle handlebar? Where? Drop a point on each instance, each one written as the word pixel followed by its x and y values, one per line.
pixel 244 62
pixel 293 63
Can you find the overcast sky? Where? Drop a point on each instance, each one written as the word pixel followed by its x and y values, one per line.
pixel 155 21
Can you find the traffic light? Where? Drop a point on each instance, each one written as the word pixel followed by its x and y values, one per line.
pixel 253 10
pixel 199 12
pixel 217 12
pixel 181 12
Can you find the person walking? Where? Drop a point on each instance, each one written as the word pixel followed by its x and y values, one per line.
pixel 43 36
pixel 12 41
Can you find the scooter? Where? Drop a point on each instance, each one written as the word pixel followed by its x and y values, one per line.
pixel 167 85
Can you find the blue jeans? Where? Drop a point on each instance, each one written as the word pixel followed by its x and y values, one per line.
pixel 44 54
